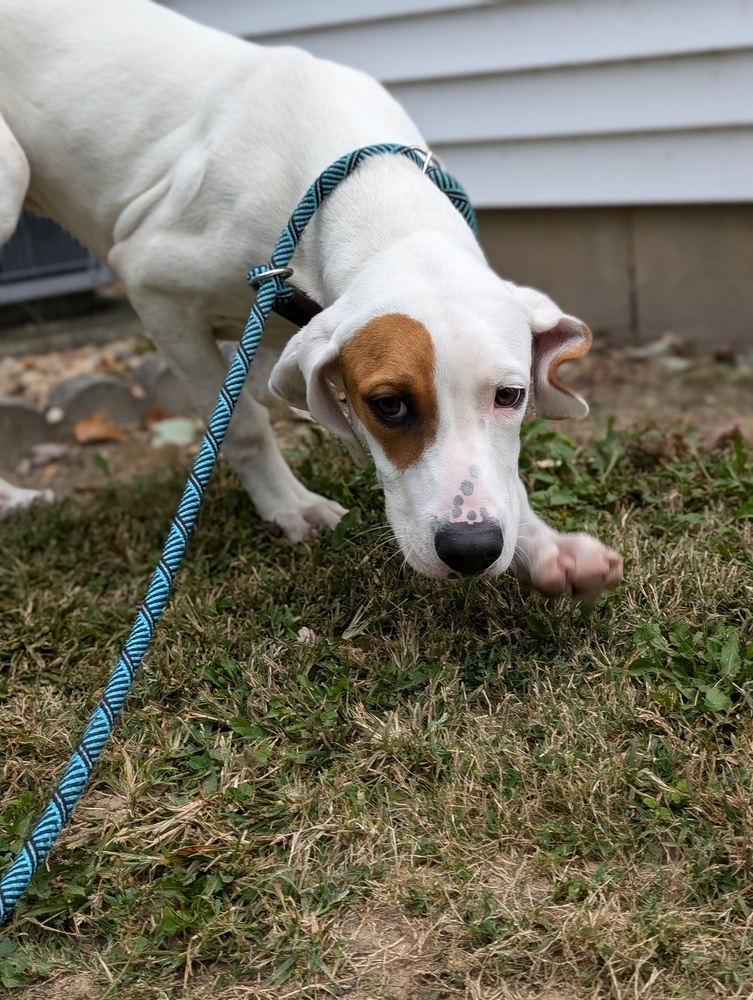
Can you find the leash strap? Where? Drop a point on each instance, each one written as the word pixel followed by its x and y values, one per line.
pixel 272 290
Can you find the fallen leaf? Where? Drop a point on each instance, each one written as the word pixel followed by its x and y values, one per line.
pixel 309 923
pixel 155 415
pixel 49 451
pixel 97 428
pixel 111 365
pixel 180 431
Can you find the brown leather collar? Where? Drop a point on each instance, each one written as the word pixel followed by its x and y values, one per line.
pixel 298 308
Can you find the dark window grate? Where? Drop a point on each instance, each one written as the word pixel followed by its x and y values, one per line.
pixel 41 260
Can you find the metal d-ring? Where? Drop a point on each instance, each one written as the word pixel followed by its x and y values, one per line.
pixel 428 156
pixel 273 272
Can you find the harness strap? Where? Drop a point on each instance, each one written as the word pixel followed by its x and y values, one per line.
pixel 272 291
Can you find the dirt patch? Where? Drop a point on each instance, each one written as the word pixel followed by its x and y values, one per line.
pixel 661 384
pixel 77 987
pixel 395 955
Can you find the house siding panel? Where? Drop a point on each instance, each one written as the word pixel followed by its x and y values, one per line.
pixel 578 102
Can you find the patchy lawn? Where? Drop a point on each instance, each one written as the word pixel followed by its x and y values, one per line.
pixel 335 778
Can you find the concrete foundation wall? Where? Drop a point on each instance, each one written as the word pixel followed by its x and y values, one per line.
pixel 634 273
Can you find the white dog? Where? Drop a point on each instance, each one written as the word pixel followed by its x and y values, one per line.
pixel 176 153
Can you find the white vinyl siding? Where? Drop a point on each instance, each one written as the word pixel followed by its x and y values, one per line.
pixel 536 104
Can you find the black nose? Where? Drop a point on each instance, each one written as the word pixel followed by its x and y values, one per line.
pixel 469 548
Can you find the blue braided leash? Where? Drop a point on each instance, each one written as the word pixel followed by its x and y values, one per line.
pixel 271 290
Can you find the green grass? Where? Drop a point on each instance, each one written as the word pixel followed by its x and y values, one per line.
pixel 447 790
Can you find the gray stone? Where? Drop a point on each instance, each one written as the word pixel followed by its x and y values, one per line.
pixel 21 428
pixel 163 389
pixel 82 395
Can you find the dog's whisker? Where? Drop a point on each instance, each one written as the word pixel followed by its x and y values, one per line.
pixel 386 532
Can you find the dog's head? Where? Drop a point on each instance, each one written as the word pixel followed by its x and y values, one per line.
pixel 437 397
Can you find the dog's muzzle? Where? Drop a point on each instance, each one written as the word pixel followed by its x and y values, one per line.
pixel 469 549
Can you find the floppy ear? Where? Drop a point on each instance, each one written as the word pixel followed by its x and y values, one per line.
pixel 302 377
pixel 556 338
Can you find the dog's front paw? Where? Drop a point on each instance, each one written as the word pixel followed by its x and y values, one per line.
pixel 307 515
pixel 576 564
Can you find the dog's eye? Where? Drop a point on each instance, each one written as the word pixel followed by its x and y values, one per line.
pixel 392 409
pixel 508 397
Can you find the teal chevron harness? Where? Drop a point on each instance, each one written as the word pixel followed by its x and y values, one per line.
pixel 273 292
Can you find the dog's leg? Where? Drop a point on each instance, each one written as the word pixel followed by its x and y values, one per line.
pixel 249 446
pixel 14 181
pixel 554 564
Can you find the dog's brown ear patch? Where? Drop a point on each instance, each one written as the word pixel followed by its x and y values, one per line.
pixel 393 355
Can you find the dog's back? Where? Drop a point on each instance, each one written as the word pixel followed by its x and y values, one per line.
pixel 59 66
pixel 105 96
